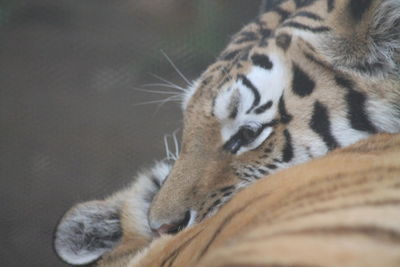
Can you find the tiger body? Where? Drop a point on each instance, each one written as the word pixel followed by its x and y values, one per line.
pixel 305 78
pixel 339 210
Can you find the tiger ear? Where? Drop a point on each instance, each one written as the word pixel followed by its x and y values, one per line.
pixel 365 36
pixel 87 231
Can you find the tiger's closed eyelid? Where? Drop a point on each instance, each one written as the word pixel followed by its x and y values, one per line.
pixel 240 138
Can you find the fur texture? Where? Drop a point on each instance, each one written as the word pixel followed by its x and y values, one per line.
pixel 339 210
pixel 91 229
pixel 303 79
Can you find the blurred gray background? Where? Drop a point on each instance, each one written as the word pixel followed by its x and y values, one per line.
pixel 71 128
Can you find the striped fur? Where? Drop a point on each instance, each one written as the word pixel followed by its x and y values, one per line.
pixel 304 78
pixel 339 210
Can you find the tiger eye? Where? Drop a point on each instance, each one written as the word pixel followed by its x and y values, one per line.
pixel 248 134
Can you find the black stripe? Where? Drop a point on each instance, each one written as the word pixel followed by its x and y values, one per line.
pixel 356 106
pixel 227 188
pixel 207 80
pixel 371 231
pixel 156 182
pixel 282 13
pixel 234 105
pixel 268 150
pixel 246 36
pixel 265 33
pixel 263 107
pixel 271 166
pixel 331 5
pixel 285 116
pixel 229 55
pixel 262 61
pixel 244 54
pixel 379 233
pixel 303 3
pixel 302 84
pixel 287 152
pixel 226 79
pixel 307 14
pixel 358 8
pixel 269 5
pixel 216 203
pixel 237 140
pixel 171 257
pixel 320 123
pixel 368 204
pixel 226 222
pixel 283 41
pixel 316 61
pixel 234 112
pixel 304 27
pixel 246 82
pixel 226 194
pixel 213 106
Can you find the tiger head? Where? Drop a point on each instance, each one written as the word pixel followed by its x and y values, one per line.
pixel 304 78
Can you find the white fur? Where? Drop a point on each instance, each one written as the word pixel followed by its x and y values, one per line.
pixel 188 93
pixel 141 189
pixel 94 217
pixel 270 84
pixel 81 222
pixel 192 219
pixel 344 133
pixel 386 118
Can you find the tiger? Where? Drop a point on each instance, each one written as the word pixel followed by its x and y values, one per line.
pixel 303 79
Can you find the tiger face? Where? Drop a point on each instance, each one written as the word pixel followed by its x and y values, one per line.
pixel 303 79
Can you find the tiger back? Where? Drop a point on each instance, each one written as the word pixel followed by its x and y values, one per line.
pixel 340 210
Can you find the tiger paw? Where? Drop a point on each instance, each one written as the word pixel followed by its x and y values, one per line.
pixel 111 229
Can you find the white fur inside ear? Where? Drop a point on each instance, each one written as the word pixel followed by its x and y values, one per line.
pixel 87 231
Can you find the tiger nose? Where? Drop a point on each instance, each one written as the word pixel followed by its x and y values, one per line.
pixel 172 228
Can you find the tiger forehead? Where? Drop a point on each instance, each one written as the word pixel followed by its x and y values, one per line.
pixel 273 34
pixel 251 47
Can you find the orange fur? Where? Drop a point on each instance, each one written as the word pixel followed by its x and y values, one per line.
pixel 339 210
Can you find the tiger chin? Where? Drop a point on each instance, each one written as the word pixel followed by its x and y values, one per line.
pixel 303 79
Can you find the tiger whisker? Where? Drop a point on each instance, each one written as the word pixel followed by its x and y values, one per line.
pixel 162 101
pixel 176 68
pixel 168 82
pixel 156 91
pixel 169 154
pixel 176 143
pixel 163 85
